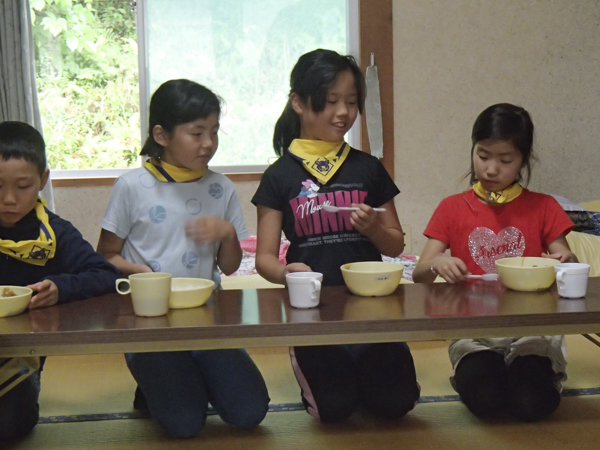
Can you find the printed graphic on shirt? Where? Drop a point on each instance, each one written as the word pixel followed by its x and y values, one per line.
pixel 190 260
pixel 154 265
pixel 157 214
pixel 216 190
pixel 309 189
pixel 311 219
pixel 147 180
pixel 193 206
pixel 486 246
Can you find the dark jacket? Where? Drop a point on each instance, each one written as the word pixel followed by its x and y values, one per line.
pixel 77 270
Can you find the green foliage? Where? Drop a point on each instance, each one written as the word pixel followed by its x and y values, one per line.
pixel 86 62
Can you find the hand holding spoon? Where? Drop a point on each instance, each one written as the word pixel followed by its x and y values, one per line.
pixel 334 209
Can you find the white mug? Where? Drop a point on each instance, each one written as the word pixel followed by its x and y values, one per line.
pixel 149 291
pixel 571 279
pixel 304 288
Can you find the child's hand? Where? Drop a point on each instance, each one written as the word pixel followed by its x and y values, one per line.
pixel 450 268
pixel 364 220
pixel 141 268
pixel 562 256
pixel 295 267
pixel 47 294
pixel 209 229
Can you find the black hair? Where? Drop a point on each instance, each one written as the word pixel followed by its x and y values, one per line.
pixel 311 77
pixel 176 102
pixel 505 122
pixel 21 141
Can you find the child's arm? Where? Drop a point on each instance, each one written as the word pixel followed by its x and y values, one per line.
pixel 212 229
pixel 82 272
pixel 267 247
pixel 434 262
pixel 382 228
pixel 559 249
pixel 46 294
pixel 110 246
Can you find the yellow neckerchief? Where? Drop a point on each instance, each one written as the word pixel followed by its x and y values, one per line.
pixel 169 173
pixel 504 196
pixel 321 159
pixel 37 251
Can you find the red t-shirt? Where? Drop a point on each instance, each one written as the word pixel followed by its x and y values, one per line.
pixel 479 233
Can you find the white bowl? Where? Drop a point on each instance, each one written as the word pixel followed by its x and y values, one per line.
pixel 190 292
pixel 372 278
pixel 11 306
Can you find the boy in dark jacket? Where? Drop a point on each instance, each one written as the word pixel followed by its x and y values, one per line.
pixel 39 250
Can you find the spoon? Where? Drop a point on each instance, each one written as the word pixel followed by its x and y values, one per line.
pixel 334 209
pixel 485 276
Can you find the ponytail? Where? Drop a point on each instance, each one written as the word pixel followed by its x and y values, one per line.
pixel 287 129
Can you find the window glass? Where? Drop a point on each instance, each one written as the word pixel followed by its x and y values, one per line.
pixel 243 50
pixel 87 77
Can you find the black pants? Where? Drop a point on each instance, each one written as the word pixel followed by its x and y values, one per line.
pixel 336 378
pixel 525 389
pixel 19 409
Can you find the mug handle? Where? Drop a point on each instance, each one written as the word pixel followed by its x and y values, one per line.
pixel 559 277
pixel 316 285
pixel 123 280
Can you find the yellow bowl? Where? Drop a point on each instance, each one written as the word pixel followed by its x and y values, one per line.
pixel 527 273
pixel 189 292
pixel 11 306
pixel 372 278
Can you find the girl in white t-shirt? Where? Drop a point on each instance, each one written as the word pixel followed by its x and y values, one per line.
pixel 175 215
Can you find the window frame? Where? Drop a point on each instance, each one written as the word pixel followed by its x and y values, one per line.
pixel 375 35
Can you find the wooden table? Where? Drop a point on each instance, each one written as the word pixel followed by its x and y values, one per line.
pixel 264 318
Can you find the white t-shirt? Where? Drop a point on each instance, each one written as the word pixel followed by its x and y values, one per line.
pixel 151 215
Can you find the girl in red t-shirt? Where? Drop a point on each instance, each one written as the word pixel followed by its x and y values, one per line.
pixel 495 219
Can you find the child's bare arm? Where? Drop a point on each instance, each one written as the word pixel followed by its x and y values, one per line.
pixel 212 229
pixel 110 246
pixel 559 249
pixel 267 250
pixel 434 262
pixel 382 228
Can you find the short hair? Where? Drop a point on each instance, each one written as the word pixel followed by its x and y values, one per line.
pixel 174 103
pixel 19 140
pixel 505 122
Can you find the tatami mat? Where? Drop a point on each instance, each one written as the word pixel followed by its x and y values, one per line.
pixel 101 384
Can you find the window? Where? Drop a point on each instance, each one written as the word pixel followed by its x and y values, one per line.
pixel 242 49
pixel 87 77
pixel 94 43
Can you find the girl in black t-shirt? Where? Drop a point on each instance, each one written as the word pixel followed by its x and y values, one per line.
pixel 316 168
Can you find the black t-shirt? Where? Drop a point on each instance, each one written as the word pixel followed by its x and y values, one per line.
pixel 320 239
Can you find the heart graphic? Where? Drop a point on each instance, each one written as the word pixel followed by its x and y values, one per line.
pixel 486 246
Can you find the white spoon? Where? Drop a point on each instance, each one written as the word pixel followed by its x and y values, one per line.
pixel 334 209
pixel 485 276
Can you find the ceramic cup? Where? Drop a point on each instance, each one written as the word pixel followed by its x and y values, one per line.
pixel 304 288
pixel 571 279
pixel 149 292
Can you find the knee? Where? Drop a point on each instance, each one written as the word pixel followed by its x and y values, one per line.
pixel 482 381
pixel 534 403
pixel 337 411
pixel 182 425
pixel 533 395
pixel 249 419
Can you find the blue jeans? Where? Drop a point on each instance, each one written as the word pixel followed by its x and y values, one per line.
pixel 19 409
pixel 179 385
